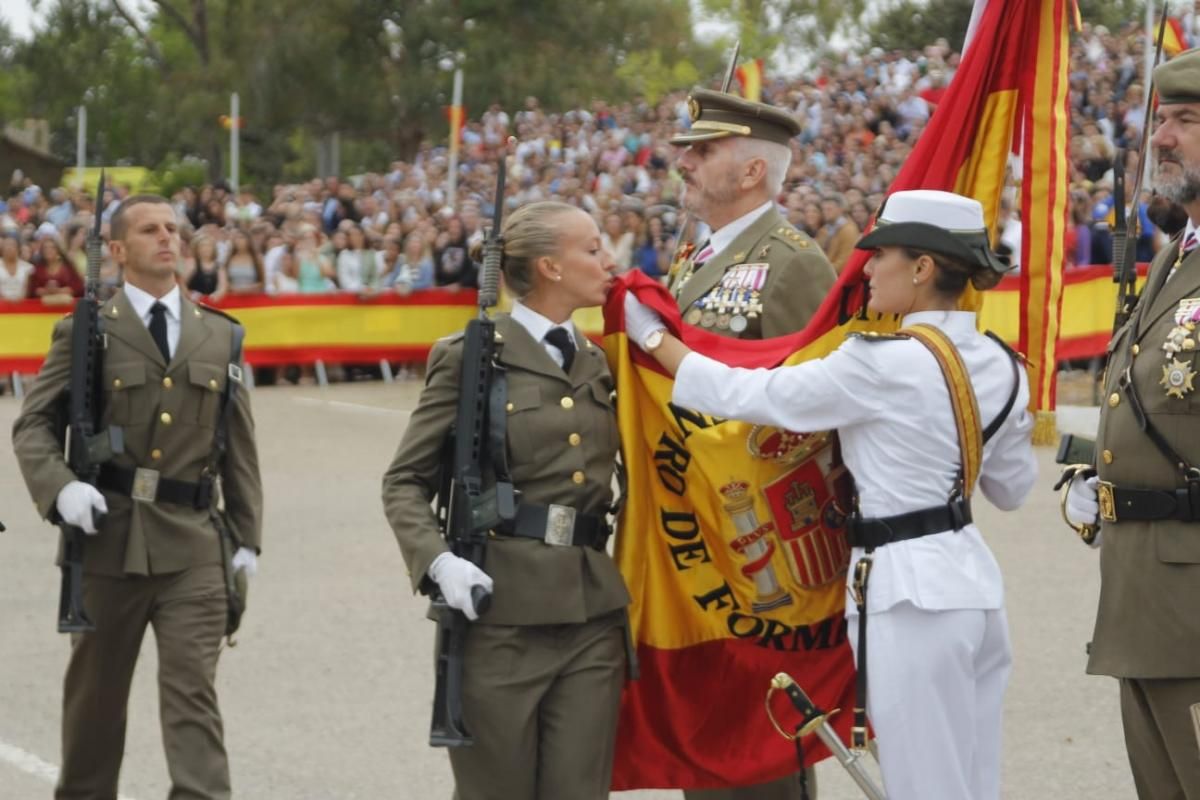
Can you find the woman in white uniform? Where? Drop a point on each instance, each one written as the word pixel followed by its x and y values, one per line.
pixel 939 655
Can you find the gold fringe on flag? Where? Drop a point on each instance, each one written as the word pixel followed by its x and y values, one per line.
pixel 1045 429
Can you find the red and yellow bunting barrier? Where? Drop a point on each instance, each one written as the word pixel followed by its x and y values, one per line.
pixel 302 329
pixel 293 329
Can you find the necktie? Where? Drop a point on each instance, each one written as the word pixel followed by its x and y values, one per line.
pixel 565 344
pixel 1190 244
pixel 158 329
pixel 705 254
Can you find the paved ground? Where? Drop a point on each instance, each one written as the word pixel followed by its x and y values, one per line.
pixel 327 696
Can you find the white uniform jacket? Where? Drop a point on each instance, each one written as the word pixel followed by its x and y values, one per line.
pixel 890 405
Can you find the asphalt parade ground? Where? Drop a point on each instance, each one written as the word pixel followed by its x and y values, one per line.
pixel 327 694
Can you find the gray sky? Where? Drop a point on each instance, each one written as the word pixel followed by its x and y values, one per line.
pixel 19 17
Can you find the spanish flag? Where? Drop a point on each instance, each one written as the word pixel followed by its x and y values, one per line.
pixel 750 76
pixel 731 540
pixel 1174 39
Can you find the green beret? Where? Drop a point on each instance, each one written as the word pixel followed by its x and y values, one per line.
pixel 1178 80
pixel 716 115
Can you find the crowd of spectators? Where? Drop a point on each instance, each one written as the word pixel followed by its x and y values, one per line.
pixel 398 231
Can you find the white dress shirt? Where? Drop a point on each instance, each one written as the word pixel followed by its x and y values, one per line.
pixel 538 326
pixel 721 239
pixel 889 403
pixel 142 301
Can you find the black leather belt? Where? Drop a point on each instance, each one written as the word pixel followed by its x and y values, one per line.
pixel 148 486
pixel 1118 504
pixel 878 531
pixel 558 525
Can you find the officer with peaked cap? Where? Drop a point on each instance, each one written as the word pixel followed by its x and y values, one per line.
pixel 924 417
pixel 1143 508
pixel 756 276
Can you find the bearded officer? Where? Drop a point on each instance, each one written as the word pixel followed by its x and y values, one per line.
pixel 1145 500
pixel 756 276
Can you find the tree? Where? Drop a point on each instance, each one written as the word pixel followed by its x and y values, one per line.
pixel 912 25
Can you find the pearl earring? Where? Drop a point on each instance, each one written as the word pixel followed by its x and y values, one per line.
pixel 914 281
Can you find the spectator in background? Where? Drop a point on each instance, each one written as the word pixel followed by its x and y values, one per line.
pixel 244 269
pixel 839 235
pixel 414 269
pixel 814 221
pixel 54 279
pixel 203 275
pixel 1079 253
pixel 14 272
pixel 618 241
pixel 314 271
pixel 77 234
pixel 452 267
pixel 1101 231
pixel 358 264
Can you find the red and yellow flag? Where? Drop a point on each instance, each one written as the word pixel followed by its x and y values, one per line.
pixel 750 76
pixel 731 540
pixel 1174 39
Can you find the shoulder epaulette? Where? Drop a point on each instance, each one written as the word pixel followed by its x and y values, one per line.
pixel 794 238
pixel 453 337
pixel 876 336
pixel 1021 357
pixel 219 313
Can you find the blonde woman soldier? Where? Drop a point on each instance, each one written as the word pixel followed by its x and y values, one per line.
pixel 545 664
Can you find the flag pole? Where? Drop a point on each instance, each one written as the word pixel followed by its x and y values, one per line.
pixel 455 125
pixel 235 155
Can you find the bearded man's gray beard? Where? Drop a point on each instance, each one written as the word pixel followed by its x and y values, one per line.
pixel 1181 187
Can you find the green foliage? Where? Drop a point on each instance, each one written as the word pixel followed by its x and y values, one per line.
pixel 174 173
pixel 762 26
pixel 913 25
pixel 377 72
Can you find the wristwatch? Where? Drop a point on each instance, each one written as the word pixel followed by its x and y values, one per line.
pixel 654 340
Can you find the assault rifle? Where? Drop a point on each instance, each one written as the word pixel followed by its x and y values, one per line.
pixel 1125 232
pixel 470 503
pixel 87 446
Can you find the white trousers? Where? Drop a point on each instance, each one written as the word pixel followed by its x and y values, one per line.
pixel 935 696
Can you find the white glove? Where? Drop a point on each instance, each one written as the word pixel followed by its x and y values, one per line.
pixel 1082 505
pixel 246 559
pixel 640 320
pixel 456 577
pixel 79 503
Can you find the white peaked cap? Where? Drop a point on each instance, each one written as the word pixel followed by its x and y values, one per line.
pixel 947 210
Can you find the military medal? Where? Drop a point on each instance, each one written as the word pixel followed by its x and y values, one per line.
pixel 1177 378
pixel 737 323
pixel 693 315
pixel 723 321
pixel 708 318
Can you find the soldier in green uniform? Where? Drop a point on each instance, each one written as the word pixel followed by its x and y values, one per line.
pixel 544 665
pixel 756 276
pixel 1146 497
pixel 156 558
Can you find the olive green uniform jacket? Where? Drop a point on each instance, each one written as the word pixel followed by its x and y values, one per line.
pixel 798 276
pixel 1148 625
pixel 168 413
pixel 562 444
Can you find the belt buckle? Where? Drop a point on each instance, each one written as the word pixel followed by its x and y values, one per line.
pixel 145 485
pixel 1108 507
pixel 560 525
